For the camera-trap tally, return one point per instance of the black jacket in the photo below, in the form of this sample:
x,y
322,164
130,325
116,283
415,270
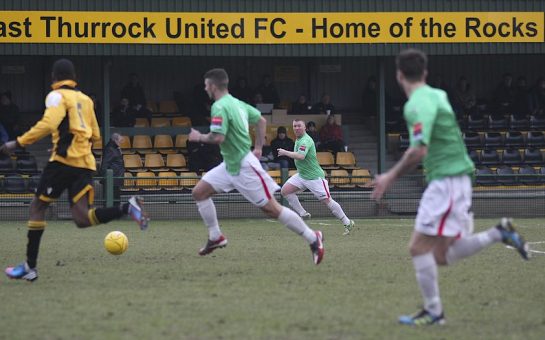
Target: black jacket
x,y
112,159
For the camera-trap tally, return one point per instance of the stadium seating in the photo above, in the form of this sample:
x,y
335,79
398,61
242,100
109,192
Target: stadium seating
x,y
506,175
163,144
276,176
181,141
537,123
168,181
6,164
33,182
361,177
152,106
154,162
133,163
472,140
533,156
514,139
176,162
125,145
326,160
97,148
142,144
15,184
404,141
516,123
27,165
168,107
340,178
146,180
129,184
493,139
497,122
181,121
346,160
529,175
484,176
159,122
511,156
475,156
535,139
188,179
141,123
475,122
490,157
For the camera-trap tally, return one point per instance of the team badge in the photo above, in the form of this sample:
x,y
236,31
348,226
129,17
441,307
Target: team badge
x,y
216,122
302,148
417,132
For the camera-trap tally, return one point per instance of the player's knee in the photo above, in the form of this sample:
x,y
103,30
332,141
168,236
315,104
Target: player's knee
x,y
283,192
81,222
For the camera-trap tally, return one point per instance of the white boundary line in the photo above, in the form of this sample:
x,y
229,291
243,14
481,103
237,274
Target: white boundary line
x,y
531,250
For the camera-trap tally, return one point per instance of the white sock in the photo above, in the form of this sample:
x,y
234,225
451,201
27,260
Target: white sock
x,y
207,209
338,211
426,276
295,204
296,224
471,245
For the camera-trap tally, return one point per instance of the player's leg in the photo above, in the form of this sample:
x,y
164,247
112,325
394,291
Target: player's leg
x,y
36,225
320,189
217,179
289,191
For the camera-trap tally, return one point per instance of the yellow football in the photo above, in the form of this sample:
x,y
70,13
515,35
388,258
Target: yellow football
x,y
116,242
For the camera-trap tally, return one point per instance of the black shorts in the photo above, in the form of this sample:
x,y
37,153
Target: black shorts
x,y
58,177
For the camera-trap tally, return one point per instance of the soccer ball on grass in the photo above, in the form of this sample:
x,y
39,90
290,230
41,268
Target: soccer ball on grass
x,y
116,242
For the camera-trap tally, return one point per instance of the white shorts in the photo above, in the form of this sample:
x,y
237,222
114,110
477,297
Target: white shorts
x,y
445,208
252,182
319,187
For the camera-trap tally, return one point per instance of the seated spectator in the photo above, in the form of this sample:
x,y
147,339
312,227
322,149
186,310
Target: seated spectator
x,y
268,91
324,106
503,96
257,99
369,98
134,92
463,98
537,98
521,100
331,136
9,112
202,157
282,142
301,106
199,106
112,158
313,133
242,91
123,114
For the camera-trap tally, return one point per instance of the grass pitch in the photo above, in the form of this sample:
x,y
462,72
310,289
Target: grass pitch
x,y
263,285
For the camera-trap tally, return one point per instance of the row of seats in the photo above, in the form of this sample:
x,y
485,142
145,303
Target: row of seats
x,y
22,165
510,156
170,180
500,122
505,175
143,144
508,139
166,107
160,122
19,183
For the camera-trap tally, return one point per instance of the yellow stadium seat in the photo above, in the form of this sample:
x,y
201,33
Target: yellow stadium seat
x,y
163,144
340,179
292,173
129,184
181,141
97,147
169,181
160,122
154,162
188,179
125,145
276,175
176,162
142,144
346,160
152,106
181,121
168,107
326,160
146,180
361,177
141,123
133,162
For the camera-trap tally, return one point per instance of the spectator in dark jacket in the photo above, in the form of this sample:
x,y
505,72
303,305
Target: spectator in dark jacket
x,y
9,112
242,91
331,136
202,156
282,142
313,133
112,158
268,91
324,106
301,106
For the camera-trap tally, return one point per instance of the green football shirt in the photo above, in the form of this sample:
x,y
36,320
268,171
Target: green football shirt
x,y
431,121
308,168
231,118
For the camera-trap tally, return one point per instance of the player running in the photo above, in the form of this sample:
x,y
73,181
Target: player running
x,y
310,175
70,119
240,168
444,224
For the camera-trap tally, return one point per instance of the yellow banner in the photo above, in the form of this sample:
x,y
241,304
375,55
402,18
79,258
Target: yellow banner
x,y
269,28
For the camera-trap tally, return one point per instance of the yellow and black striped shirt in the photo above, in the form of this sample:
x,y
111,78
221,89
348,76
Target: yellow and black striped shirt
x,y
70,119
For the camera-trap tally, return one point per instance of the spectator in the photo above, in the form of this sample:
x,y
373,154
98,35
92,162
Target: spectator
x,y
324,106
331,136
123,114
313,133
257,99
9,112
202,157
112,158
98,108
282,142
504,95
301,106
370,98
521,101
200,105
268,91
537,98
463,98
134,92
242,91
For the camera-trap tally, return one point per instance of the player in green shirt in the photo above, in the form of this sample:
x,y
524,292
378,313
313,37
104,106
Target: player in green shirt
x,y
310,175
444,224
240,169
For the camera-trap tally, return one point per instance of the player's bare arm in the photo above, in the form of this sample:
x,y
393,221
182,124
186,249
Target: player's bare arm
x,y
207,138
290,154
261,126
411,158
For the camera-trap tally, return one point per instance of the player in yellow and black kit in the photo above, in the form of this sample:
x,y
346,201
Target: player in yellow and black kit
x,y
70,120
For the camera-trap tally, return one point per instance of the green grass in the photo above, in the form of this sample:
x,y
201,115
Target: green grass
x,y
263,285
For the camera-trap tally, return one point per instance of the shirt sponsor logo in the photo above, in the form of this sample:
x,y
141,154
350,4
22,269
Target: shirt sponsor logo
x,y
216,122
417,131
302,148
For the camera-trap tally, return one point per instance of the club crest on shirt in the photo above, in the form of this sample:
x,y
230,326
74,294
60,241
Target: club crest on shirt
x,y
417,131
216,122
302,148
